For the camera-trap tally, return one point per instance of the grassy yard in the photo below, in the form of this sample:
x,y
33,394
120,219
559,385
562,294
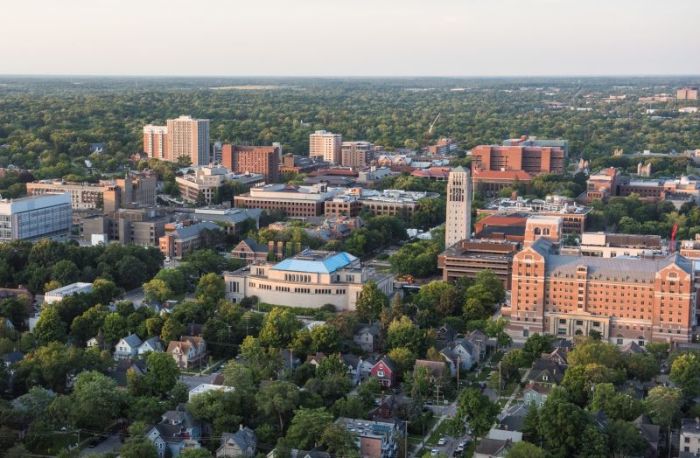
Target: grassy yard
x,y
439,432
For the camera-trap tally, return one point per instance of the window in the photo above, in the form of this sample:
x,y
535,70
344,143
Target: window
x,y
380,373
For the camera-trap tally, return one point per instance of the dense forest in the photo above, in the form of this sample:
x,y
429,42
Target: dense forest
x,y
47,125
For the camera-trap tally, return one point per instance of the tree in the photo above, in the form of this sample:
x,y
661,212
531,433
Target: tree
x,y
437,295
331,365
370,302
616,405
157,290
262,361
475,407
642,366
560,425
595,352
663,405
325,338
685,372
339,442
307,426
172,329
65,272
403,332
95,401
50,327
114,328
403,358
279,327
535,345
138,445
579,381
161,373
525,450
497,328
195,453
625,439
15,309
211,288
278,399
224,410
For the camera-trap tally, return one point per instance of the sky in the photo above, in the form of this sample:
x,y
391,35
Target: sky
x,y
350,37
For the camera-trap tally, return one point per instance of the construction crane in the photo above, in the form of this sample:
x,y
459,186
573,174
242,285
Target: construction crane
x,y
432,124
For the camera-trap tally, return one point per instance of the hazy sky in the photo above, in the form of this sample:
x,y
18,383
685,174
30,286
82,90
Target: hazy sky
x,y
350,37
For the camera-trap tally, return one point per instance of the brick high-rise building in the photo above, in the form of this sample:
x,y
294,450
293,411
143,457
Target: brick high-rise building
x,y
155,141
264,160
355,154
687,93
623,300
458,221
531,159
189,138
325,145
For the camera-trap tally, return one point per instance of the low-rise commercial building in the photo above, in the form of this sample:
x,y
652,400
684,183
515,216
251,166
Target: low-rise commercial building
x,y
183,238
308,279
143,226
35,217
572,214
392,202
374,439
205,182
623,301
294,201
442,147
491,182
605,245
469,257
58,294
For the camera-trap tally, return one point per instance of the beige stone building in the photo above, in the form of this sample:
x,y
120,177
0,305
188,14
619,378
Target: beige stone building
x,y
308,279
325,145
189,138
458,221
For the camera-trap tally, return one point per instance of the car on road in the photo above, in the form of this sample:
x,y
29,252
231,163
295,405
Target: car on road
x,y
442,441
434,452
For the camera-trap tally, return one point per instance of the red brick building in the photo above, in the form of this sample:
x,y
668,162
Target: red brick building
x,y
624,300
531,159
385,371
254,159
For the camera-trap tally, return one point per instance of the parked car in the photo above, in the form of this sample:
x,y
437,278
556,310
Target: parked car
x,y
442,441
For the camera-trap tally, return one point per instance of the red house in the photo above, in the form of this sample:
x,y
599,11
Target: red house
x,y
384,370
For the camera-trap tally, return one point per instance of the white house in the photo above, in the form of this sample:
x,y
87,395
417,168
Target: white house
x,y
56,295
127,347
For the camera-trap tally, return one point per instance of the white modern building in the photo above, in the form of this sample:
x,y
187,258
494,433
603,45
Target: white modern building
x,y
309,279
58,294
35,217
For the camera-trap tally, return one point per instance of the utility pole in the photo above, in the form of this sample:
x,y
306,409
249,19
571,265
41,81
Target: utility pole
x,y
405,439
458,368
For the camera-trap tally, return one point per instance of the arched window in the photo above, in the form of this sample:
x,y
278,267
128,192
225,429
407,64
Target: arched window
x,y
538,231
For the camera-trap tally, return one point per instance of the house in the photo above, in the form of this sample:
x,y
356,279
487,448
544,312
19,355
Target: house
x,y
94,342
153,344
242,443
437,370
207,387
176,432
127,347
188,351
461,353
289,360
385,371
315,359
492,448
536,394
690,436
119,373
368,337
354,364
546,371
631,347
558,355
249,251
650,433
12,358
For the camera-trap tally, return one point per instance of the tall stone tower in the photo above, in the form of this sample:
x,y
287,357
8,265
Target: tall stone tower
x,y
458,221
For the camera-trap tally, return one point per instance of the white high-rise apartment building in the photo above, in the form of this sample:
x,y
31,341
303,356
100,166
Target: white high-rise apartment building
x,y
325,145
155,139
458,221
188,137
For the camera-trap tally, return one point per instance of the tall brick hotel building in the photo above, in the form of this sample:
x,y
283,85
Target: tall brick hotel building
x,y
623,299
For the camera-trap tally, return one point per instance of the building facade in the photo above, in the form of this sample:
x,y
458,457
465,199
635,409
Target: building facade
x,y
264,160
206,180
687,93
645,300
356,154
467,258
326,146
308,279
35,217
183,238
531,159
155,141
458,220
188,137
294,201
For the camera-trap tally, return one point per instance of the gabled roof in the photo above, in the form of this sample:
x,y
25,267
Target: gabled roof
x,y
133,340
492,447
387,362
436,368
253,245
244,438
631,347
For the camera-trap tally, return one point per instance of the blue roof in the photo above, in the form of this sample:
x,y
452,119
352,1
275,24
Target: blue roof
x,y
316,262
